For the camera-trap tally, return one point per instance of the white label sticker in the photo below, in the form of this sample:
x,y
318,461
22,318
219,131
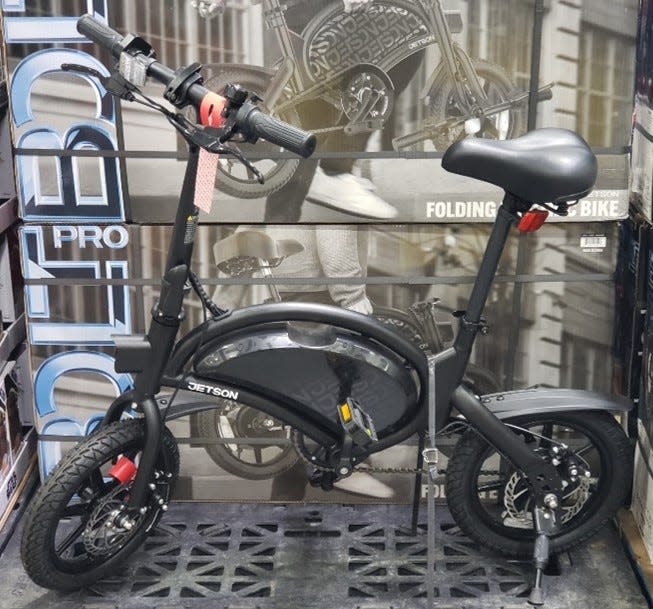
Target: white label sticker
x,y
207,169
593,243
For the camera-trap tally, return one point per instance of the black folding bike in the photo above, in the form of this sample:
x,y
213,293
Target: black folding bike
x,y
538,470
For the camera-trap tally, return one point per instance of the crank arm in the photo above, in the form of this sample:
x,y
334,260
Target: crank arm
x,y
366,107
425,133
429,130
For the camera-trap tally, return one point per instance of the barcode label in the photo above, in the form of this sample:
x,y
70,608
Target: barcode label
x,y
593,242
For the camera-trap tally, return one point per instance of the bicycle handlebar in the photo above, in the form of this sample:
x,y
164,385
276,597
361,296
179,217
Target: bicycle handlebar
x,y
100,34
251,122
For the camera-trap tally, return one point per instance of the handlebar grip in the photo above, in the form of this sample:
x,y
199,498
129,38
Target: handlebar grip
x,y
101,34
277,132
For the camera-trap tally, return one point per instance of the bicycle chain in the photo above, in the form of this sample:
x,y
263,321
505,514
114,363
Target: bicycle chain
x,y
369,469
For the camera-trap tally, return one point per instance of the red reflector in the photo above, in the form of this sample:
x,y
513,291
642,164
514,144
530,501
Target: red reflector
x,y
123,470
532,220
211,110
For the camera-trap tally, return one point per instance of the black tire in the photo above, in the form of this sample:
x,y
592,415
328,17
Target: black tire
x,y
207,423
498,87
481,380
278,172
402,323
473,515
72,476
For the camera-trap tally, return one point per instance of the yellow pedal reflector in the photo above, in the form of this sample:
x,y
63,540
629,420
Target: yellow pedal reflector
x,y
345,412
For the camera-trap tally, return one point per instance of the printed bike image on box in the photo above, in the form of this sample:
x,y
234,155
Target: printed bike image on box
x,y
348,63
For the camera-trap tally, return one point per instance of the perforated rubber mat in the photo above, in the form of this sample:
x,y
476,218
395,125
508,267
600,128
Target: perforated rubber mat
x,y
325,556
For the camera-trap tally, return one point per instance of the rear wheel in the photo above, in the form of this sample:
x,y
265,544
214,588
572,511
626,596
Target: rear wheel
x,y
492,503
76,528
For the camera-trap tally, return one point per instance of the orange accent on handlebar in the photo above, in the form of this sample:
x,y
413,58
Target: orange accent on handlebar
x,y
532,220
211,109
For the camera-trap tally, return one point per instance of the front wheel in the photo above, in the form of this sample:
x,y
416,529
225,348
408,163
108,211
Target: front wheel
x,y
76,528
492,503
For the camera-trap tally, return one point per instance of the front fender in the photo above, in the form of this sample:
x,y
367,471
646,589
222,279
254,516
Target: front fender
x,y
541,401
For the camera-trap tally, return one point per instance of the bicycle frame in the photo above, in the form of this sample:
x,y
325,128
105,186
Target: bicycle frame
x,y
165,365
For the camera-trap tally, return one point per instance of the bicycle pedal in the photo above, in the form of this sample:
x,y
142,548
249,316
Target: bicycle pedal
x,y
357,423
315,479
322,479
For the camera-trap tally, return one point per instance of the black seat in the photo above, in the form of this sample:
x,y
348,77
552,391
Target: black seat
x,y
543,166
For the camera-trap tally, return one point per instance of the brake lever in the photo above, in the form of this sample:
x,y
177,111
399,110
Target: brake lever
x,y
114,84
213,140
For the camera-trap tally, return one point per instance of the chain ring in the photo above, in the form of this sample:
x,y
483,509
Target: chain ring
x,y
297,439
372,83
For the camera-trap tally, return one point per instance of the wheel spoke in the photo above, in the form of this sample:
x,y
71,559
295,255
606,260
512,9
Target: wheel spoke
x,y
584,449
490,486
258,455
70,538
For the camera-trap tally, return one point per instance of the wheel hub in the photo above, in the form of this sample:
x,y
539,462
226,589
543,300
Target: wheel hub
x,y
518,499
252,423
109,526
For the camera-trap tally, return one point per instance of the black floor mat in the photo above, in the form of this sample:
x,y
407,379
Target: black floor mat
x,y
326,556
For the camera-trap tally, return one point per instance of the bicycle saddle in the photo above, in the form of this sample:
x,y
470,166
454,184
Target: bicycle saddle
x,y
248,251
543,166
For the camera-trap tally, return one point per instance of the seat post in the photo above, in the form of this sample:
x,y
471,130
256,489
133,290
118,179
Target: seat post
x,y
506,218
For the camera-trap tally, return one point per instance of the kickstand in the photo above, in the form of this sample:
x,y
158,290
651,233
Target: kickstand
x,y
544,520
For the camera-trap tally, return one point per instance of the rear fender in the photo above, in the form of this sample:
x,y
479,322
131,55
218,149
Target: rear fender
x,y
511,404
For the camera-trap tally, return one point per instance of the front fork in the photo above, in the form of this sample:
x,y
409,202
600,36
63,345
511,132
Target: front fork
x,y
166,318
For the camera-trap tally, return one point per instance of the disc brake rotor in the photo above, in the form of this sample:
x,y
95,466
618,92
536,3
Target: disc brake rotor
x,y
107,529
517,500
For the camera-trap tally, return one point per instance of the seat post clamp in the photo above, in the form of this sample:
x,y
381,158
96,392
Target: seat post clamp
x,y
471,326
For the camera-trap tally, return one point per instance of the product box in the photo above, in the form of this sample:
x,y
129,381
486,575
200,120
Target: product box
x,y
560,280
632,276
11,283
94,245
21,376
642,499
12,434
22,466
